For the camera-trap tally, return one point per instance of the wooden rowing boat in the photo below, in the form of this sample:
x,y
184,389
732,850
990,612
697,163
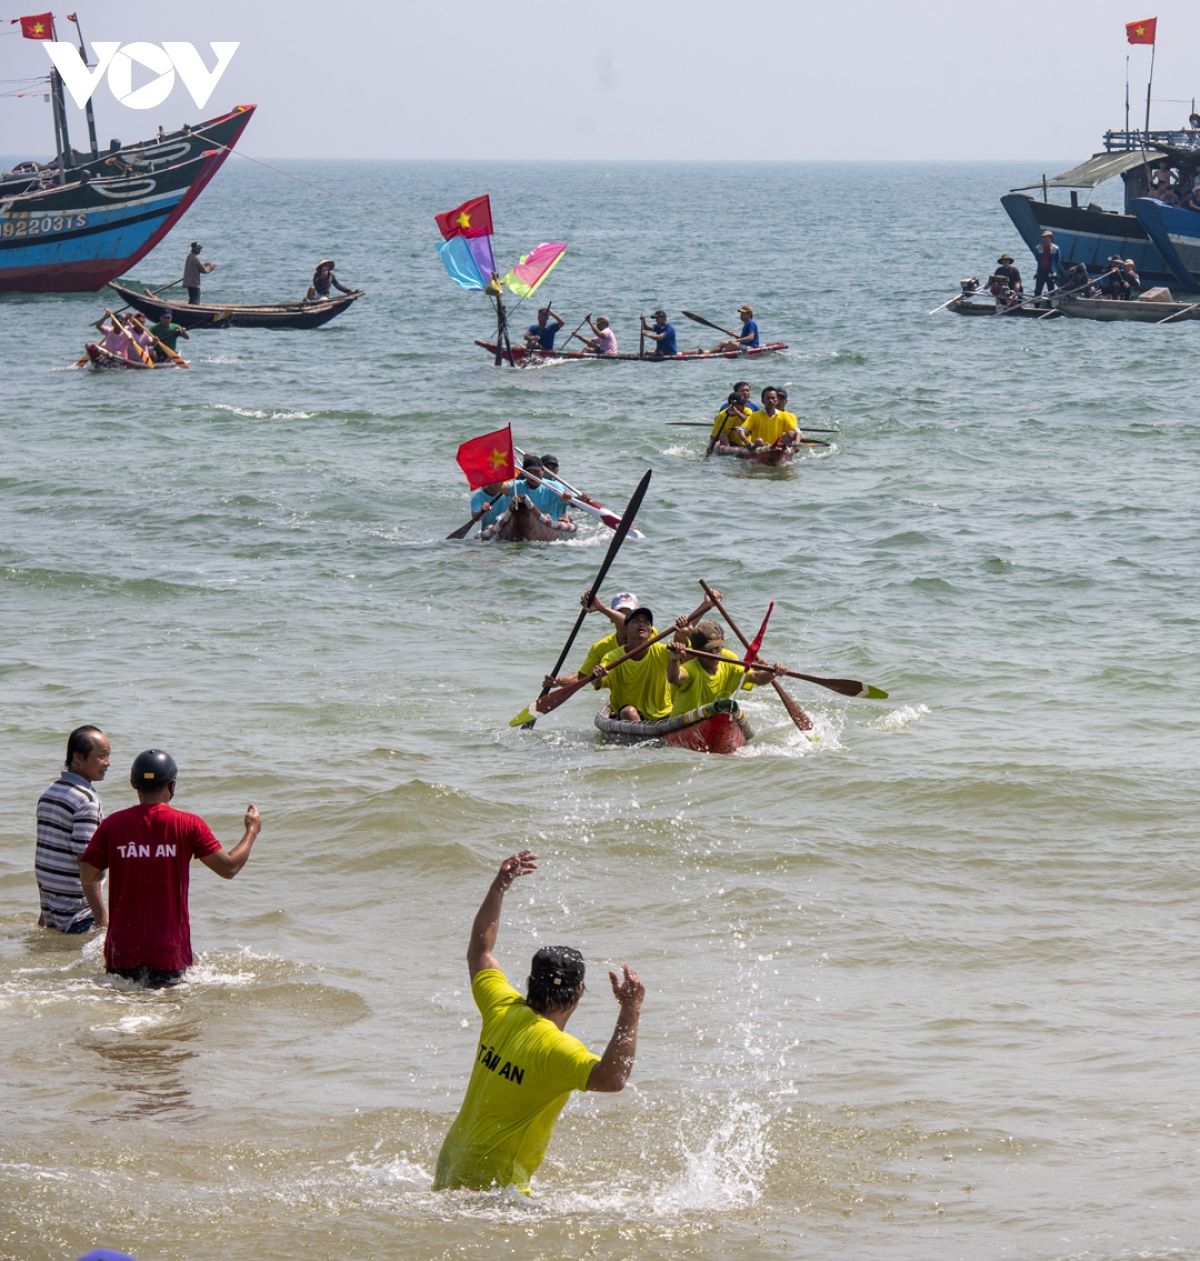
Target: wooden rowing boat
x,y
521,522
98,357
225,315
1109,309
718,727
981,303
521,353
774,456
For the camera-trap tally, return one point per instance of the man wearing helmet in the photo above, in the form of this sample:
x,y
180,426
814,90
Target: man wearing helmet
x,y
147,850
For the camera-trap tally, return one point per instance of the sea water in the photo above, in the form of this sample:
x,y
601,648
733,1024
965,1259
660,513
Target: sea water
x,y
920,984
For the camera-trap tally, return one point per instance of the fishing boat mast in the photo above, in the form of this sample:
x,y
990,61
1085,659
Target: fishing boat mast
x,y
91,118
61,137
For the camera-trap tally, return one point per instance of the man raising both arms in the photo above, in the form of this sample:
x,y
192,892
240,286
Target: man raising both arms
x,y
526,1065
147,850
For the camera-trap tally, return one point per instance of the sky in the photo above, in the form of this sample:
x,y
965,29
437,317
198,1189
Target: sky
x,y
786,80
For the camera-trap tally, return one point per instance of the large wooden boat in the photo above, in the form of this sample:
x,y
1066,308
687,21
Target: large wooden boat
x,y
520,354
71,225
521,522
227,315
718,727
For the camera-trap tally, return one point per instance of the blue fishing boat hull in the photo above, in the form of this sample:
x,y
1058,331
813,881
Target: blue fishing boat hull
x,y
77,236
1176,235
1090,237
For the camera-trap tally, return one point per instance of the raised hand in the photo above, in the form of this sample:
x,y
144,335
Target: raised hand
x,y
627,990
522,863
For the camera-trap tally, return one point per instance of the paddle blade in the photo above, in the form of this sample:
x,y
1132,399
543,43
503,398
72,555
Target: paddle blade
x,y
798,716
462,531
873,693
846,687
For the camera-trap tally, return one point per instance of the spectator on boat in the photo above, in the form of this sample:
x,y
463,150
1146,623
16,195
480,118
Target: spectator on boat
x,y
68,812
193,268
525,1064
699,681
769,425
1077,278
1007,274
639,689
322,279
1192,201
147,851
661,334
748,340
1169,197
1132,279
1113,284
605,341
543,333
498,494
1161,180
167,333
1049,265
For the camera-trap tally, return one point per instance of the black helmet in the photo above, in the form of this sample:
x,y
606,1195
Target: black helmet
x,y
155,768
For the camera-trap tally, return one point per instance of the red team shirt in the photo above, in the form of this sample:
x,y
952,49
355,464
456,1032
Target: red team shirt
x,y
147,851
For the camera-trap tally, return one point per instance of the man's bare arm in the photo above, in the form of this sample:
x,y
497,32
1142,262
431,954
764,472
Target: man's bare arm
x,y
487,918
227,863
90,878
611,1074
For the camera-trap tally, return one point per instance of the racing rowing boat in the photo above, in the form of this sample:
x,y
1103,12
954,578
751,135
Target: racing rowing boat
x,y
521,353
718,727
521,522
98,357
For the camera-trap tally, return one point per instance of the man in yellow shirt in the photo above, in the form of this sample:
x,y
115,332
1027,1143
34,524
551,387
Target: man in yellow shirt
x,y
699,681
638,688
623,603
769,425
526,1065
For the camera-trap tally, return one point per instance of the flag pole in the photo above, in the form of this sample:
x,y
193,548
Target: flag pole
x,y
1126,96
1153,50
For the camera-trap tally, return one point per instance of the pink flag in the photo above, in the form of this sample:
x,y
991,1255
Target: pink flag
x,y
533,269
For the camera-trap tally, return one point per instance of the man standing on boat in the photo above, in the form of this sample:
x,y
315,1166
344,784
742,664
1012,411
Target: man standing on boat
x,y
661,334
542,334
526,1064
193,269
1049,266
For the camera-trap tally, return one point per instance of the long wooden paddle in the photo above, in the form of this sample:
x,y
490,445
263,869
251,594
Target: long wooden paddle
x,y
177,359
962,293
701,320
575,331
550,700
461,532
847,687
525,718
597,510
1177,314
798,716
712,442
153,293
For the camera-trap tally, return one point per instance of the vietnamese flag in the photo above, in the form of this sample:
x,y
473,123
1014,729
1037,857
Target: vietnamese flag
x,y
472,218
1141,32
40,26
488,458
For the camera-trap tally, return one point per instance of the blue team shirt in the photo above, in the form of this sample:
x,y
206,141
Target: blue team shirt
x,y
546,335
481,497
542,498
667,346
750,328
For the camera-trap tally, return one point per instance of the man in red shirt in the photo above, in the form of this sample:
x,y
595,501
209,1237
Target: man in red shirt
x,y
147,850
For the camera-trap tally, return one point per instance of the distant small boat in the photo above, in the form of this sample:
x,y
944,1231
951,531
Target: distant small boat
x,y
718,727
520,354
521,522
228,315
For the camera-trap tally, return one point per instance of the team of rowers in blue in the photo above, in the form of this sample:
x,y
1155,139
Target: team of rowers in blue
x,y
661,334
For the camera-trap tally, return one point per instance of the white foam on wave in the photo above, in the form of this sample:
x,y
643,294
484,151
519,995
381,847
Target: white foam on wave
x,y
138,1023
261,415
897,719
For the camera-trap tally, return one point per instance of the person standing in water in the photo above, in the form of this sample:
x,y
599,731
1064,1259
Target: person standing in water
x,y
526,1065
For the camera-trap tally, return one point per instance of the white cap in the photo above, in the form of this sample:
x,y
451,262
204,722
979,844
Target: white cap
x,y
624,600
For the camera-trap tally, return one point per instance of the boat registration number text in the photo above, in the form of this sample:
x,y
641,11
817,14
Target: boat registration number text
x,y
43,226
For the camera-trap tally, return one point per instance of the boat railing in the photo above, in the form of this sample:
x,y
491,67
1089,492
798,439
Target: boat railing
x,y
1129,141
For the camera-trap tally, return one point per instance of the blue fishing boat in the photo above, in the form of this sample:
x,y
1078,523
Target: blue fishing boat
x,y
73,224
1091,234
1176,235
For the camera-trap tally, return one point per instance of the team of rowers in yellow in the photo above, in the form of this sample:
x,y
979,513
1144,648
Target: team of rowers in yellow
x,y
739,425
661,679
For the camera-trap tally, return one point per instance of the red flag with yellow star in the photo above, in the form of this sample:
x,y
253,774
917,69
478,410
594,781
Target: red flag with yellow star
x,y
488,458
472,218
1141,32
37,27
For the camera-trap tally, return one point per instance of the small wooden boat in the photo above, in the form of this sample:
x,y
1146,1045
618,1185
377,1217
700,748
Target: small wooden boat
x,y
1108,310
718,727
978,302
521,353
773,455
521,522
98,357
225,315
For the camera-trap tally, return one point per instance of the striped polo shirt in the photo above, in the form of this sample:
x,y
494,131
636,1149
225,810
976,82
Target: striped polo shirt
x,y
68,812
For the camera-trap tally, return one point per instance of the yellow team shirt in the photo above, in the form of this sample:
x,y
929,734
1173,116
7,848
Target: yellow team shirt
x,y
771,428
601,649
728,436
525,1068
642,684
699,687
